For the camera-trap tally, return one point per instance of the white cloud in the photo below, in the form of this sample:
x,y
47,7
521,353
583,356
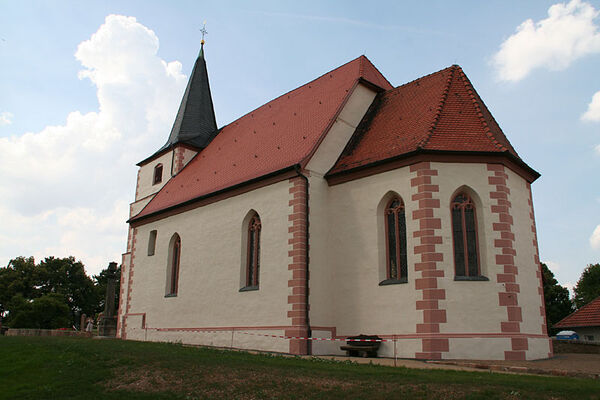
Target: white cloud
x,y
595,238
597,148
593,111
553,266
570,286
66,188
6,118
569,33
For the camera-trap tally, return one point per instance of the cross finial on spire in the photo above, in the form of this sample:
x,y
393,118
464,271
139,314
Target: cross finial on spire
x,y
204,32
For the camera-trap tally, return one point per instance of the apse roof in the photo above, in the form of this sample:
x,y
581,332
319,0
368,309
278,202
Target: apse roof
x,y
441,111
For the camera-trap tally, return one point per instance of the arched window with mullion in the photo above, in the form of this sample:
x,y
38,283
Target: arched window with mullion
x,y
464,234
253,258
395,229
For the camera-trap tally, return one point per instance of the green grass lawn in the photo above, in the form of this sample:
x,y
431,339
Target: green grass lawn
x,y
83,368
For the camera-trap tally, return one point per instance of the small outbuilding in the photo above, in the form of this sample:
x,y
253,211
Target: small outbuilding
x,y
585,321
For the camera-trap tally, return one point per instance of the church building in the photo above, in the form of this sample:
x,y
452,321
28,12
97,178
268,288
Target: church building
x,y
346,206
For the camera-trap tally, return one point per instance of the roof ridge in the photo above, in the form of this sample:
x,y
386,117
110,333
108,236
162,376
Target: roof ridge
x,y
362,70
418,79
471,92
440,107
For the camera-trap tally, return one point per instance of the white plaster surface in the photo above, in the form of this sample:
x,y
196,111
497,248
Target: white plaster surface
x,y
146,176
208,291
345,124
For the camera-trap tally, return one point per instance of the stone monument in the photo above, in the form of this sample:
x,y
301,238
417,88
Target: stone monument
x,y
108,321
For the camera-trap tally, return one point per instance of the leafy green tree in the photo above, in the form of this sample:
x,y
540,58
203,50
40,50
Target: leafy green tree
x,y
23,282
46,312
67,277
556,298
588,285
18,277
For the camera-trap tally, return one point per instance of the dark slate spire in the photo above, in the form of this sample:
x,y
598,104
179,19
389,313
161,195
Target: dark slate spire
x,y
195,123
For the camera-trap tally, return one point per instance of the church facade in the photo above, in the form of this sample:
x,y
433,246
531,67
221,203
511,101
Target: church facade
x,y
346,206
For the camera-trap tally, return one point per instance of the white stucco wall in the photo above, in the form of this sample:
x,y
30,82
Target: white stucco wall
x,y
208,291
146,175
341,131
347,262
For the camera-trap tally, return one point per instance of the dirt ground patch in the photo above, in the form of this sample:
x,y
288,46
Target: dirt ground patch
x,y
217,381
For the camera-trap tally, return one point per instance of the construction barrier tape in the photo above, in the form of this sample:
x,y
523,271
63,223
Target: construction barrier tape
x,y
291,337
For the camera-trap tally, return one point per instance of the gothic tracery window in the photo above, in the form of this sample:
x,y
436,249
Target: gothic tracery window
x,y
464,233
395,229
253,257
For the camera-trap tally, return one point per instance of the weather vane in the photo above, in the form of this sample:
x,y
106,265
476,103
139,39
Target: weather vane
x,y
203,31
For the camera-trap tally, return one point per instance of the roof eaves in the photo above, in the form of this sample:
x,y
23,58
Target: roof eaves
x,y
420,151
167,148
137,218
372,85
159,153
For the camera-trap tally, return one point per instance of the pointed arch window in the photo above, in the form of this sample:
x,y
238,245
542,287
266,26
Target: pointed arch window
x,y
464,234
253,254
158,170
173,265
395,234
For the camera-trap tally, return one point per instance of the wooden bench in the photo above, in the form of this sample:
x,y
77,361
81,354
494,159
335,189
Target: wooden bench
x,y
362,345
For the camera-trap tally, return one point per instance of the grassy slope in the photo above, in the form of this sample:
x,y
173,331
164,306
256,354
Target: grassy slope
x,y
65,368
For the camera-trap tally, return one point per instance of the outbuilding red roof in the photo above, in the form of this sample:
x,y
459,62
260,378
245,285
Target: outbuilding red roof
x,y
441,111
588,315
280,134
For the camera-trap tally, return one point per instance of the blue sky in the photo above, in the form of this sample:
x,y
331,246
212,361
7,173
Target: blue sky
x,y
69,140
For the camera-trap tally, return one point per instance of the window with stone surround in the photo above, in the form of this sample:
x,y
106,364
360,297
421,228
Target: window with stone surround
x,y
173,263
464,235
395,241
253,254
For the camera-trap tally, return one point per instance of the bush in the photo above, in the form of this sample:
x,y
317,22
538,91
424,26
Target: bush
x,y
46,312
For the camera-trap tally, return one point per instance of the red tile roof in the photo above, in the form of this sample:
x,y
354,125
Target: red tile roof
x,y
280,134
440,111
588,315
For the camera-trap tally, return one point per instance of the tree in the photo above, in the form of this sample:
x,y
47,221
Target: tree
x,y
588,285
46,312
27,287
19,277
556,298
67,277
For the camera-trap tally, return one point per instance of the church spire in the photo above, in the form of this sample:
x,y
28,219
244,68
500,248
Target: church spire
x,y
195,123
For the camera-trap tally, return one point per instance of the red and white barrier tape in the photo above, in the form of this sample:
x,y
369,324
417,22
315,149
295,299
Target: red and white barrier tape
x,y
316,338
286,337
